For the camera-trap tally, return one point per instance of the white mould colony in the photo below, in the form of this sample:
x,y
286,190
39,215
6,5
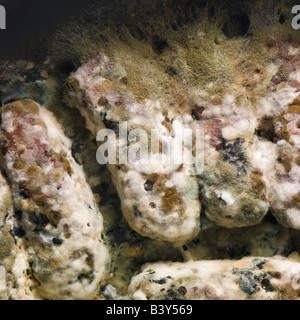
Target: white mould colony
x,y
53,241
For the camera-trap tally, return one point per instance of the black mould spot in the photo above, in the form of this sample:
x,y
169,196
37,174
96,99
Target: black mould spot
x,y
152,205
266,285
196,112
160,281
137,212
159,44
112,125
237,25
57,241
172,294
195,115
260,265
171,71
124,80
38,219
282,18
182,290
148,185
19,232
89,276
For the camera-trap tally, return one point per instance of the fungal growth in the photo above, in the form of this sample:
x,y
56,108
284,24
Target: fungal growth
x,y
60,219
158,200
249,278
151,150
246,146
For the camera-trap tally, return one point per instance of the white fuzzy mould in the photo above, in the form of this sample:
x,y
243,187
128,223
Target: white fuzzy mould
x,y
295,76
294,51
272,68
295,139
284,190
280,188
281,142
238,129
293,216
226,196
55,133
19,269
154,222
276,102
263,156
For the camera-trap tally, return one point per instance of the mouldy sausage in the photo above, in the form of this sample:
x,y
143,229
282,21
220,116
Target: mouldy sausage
x,y
159,199
62,223
255,278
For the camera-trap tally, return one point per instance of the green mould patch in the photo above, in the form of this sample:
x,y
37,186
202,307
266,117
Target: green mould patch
x,y
6,243
193,43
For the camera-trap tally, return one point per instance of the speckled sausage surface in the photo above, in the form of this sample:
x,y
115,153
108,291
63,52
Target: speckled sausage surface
x,y
59,216
160,200
249,278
